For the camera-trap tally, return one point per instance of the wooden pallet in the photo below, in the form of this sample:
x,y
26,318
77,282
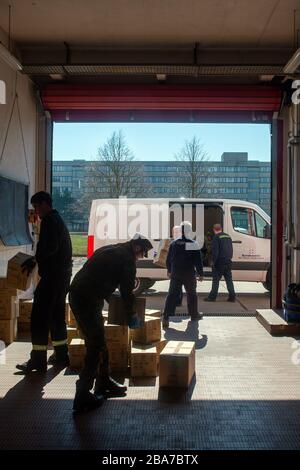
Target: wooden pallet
x,y
275,324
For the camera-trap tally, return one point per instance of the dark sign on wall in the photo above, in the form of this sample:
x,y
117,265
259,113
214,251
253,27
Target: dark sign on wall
x,y
14,228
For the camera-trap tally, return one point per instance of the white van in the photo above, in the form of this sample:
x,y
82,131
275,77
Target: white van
x,y
116,220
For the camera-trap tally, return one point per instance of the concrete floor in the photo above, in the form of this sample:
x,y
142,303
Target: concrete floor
x,y
246,395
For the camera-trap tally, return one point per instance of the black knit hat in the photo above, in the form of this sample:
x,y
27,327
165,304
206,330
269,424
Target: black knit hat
x,y
143,242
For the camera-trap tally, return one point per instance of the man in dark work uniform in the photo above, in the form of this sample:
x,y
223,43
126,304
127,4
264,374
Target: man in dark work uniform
x,y
110,267
54,259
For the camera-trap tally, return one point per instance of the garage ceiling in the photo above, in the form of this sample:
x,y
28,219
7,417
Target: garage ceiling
x,y
136,40
259,23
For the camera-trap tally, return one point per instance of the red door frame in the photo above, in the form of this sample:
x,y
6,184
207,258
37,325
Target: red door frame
x,y
165,103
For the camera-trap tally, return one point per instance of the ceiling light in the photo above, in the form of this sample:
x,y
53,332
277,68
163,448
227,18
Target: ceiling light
x,y
56,76
161,77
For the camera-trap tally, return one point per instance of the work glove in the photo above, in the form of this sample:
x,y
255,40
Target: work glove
x,y
134,321
28,266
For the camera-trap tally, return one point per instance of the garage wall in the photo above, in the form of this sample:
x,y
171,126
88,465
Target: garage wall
x,y
18,156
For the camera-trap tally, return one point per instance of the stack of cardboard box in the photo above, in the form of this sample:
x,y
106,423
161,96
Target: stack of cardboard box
x,y
117,344
8,313
17,277
143,349
25,307
11,287
146,344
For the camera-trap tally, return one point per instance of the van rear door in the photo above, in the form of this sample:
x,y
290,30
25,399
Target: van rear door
x,y
213,213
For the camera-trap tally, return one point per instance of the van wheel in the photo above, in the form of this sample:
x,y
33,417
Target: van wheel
x,y
142,284
267,283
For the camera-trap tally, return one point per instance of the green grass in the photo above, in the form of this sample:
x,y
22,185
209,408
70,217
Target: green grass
x,y
79,244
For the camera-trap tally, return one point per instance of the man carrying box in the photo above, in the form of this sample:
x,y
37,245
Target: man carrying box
x,y
54,259
110,267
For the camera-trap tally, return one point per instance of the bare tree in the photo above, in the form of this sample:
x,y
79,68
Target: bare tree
x,y
116,173
196,172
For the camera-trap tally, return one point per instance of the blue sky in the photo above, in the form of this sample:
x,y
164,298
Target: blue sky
x,y
161,141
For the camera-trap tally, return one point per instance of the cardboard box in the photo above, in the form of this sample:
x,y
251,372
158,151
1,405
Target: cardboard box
x,y
8,330
152,313
105,314
116,315
25,307
77,353
118,357
160,345
148,333
71,333
70,318
116,334
160,257
8,307
15,276
10,292
143,362
77,347
3,282
177,364
24,327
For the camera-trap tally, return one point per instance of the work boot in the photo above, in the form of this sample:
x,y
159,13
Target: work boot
x,y
209,299
37,362
198,316
165,323
60,357
85,401
109,387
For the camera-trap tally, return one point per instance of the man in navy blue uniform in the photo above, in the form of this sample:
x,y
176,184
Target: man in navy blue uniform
x,y
222,253
184,265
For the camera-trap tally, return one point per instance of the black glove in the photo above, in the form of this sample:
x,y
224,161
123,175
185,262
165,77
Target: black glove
x,y
134,322
28,265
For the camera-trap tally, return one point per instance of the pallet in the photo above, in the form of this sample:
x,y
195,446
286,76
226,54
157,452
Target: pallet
x,y
275,324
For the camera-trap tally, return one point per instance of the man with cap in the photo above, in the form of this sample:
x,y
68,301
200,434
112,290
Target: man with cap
x,y
110,267
222,252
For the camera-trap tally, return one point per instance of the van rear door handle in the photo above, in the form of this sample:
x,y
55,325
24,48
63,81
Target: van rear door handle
x,y
236,241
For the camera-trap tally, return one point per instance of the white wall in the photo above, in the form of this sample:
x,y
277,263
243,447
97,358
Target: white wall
x,y
13,162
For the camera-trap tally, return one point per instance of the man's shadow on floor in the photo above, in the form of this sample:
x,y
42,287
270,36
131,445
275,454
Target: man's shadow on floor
x,y
191,333
29,390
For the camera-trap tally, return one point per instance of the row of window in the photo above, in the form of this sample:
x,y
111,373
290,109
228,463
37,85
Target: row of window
x,y
176,168
226,190
227,180
265,190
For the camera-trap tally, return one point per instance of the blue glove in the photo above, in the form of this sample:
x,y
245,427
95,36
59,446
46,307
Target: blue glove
x,y
134,322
